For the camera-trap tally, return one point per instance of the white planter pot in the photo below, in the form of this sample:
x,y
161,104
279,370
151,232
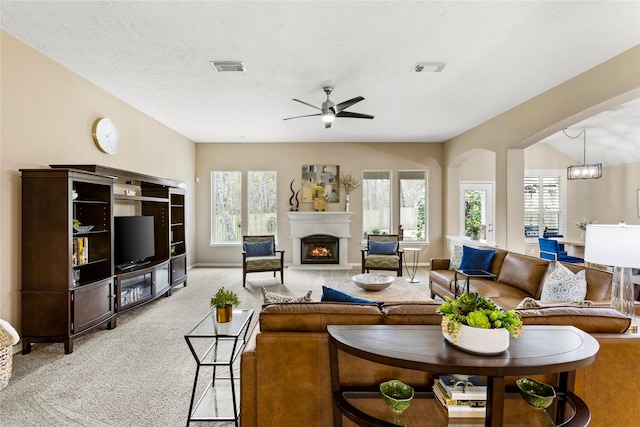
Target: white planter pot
x,y
480,341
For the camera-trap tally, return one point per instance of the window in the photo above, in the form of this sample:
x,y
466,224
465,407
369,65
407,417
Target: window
x,y
262,210
376,202
226,209
543,204
412,194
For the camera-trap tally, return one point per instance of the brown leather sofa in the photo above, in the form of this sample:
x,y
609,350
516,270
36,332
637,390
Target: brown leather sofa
x,y
285,365
517,277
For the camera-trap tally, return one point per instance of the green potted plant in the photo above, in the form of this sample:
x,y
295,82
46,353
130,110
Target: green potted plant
x,y
224,300
472,318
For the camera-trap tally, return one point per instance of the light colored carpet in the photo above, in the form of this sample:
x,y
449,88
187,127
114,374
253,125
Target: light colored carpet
x,y
140,373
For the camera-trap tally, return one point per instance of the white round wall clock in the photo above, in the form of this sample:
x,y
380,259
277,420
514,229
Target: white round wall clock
x,y
106,135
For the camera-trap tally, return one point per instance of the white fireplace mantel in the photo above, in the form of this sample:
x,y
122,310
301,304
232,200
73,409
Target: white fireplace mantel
x,y
333,223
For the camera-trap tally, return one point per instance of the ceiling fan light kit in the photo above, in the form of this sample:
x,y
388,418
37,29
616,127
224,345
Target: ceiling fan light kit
x,y
329,110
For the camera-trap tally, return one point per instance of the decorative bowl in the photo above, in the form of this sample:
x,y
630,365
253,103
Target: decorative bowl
x,y
396,394
83,228
536,394
373,281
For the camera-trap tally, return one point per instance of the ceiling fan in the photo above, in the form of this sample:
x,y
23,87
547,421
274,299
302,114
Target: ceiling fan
x,y
329,110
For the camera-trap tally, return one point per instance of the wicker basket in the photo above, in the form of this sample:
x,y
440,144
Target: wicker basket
x,y
6,357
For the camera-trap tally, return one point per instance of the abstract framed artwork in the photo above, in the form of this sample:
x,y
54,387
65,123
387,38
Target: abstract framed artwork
x,y
320,181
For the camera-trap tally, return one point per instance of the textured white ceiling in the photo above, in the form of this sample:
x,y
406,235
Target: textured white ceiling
x,y
155,56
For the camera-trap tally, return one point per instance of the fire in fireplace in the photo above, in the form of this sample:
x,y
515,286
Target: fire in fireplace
x,y
320,249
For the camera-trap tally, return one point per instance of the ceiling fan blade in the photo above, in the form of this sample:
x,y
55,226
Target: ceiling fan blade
x,y
297,117
327,125
306,103
354,115
347,104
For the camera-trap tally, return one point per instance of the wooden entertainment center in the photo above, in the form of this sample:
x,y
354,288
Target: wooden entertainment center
x,y
70,284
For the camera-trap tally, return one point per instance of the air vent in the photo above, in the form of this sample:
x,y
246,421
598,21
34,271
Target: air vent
x,y
429,67
236,66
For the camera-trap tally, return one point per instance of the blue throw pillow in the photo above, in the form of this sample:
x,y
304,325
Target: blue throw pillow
x,y
258,248
330,294
382,248
476,259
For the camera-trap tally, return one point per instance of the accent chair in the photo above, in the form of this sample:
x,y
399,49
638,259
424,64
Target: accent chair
x,y
382,253
259,254
550,249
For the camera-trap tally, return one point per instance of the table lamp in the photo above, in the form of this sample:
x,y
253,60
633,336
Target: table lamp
x,y
617,246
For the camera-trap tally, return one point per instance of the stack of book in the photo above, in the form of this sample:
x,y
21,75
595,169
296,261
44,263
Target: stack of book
x,y
80,251
461,401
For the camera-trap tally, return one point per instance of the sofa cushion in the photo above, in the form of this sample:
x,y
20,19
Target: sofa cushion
x,y
272,297
523,272
476,259
315,316
598,282
589,319
330,294
411,313
382,248
258,248
564,285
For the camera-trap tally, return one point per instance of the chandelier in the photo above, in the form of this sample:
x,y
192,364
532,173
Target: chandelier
x,y
583,171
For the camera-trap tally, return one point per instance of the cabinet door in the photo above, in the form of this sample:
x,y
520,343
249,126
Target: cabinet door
x,y
161,279
92,304
178,269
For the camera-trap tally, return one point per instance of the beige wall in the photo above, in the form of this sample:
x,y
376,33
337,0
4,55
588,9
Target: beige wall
x,y
611,83
47,115
288,159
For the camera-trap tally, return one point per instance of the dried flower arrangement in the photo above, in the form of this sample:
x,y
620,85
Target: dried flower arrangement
x,y
348,183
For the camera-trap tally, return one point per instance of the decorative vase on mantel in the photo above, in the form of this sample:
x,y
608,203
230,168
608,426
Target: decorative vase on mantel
x,y
346,203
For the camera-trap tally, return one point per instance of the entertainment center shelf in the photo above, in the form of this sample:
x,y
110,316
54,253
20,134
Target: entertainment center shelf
x,y
70,281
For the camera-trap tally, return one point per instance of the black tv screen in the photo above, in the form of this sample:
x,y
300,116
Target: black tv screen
x,y
133,240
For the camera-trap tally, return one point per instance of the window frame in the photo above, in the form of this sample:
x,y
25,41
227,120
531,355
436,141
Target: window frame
x,y
212,237
398,207
389,208
249,195
541,174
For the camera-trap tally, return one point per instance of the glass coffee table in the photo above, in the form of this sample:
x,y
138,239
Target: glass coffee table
x,y
217,345
468,274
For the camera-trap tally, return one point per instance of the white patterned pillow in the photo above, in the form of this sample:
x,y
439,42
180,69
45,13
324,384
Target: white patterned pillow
x,y
272,297
563,285
456,258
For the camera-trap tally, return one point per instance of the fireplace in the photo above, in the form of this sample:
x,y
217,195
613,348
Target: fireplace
x,y
320,249
334,224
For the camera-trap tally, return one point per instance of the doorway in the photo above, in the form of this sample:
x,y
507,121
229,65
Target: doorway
x,y
477,210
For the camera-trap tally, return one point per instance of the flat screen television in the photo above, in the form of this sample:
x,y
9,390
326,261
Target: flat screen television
x,y
134,241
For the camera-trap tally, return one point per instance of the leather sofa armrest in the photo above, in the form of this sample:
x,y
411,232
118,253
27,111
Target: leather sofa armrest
x,y
248,388
439,263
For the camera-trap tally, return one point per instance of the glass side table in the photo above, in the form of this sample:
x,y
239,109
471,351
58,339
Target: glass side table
x,y
468,273
414,264
217,345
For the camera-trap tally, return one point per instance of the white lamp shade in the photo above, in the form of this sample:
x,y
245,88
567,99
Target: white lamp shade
x,y
614,245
